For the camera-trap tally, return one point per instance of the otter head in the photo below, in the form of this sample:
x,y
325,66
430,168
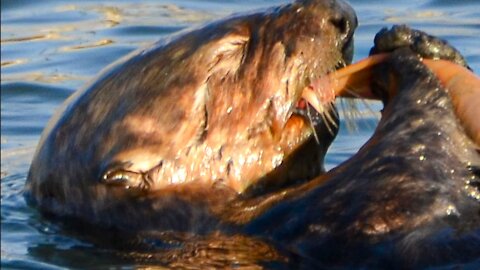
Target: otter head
x,y
220,104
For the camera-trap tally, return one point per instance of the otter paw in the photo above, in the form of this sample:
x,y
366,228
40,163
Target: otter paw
x,y
423,44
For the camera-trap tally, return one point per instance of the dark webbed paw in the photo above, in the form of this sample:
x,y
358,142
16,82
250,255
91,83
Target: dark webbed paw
x,y
402,40
425,45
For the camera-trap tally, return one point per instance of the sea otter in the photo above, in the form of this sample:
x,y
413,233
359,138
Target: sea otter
x,y
165,138
159,143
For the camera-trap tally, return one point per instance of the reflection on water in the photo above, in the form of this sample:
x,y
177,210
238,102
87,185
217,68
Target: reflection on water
x,y
50,48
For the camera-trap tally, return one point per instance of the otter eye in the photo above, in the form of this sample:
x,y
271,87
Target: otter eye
x,y
127,179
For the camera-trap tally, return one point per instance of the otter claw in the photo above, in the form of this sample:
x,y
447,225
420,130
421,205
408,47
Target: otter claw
x,y
425,45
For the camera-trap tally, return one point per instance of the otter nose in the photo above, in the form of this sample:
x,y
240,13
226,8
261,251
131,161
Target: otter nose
x,y
343,17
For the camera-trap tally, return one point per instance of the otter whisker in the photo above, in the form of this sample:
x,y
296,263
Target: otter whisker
x,y
327,119
365,103
331,119
309,116
351,113
348,108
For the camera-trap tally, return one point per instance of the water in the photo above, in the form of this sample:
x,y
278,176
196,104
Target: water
x,y
50,48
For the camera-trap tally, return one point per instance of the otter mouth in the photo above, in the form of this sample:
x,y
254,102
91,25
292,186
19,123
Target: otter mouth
x,y
315,109
322,91
315,104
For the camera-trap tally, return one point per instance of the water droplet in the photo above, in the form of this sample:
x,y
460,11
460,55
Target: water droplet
x,y
475,195
451,210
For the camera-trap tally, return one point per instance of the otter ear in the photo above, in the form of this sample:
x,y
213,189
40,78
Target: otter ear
x,y
232,43
229,53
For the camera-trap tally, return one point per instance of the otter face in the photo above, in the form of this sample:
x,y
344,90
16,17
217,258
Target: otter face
x,y
218,104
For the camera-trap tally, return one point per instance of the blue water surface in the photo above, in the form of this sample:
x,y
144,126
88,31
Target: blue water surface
x,y
50,48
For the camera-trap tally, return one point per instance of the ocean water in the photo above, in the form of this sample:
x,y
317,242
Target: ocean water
x,y
50,48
